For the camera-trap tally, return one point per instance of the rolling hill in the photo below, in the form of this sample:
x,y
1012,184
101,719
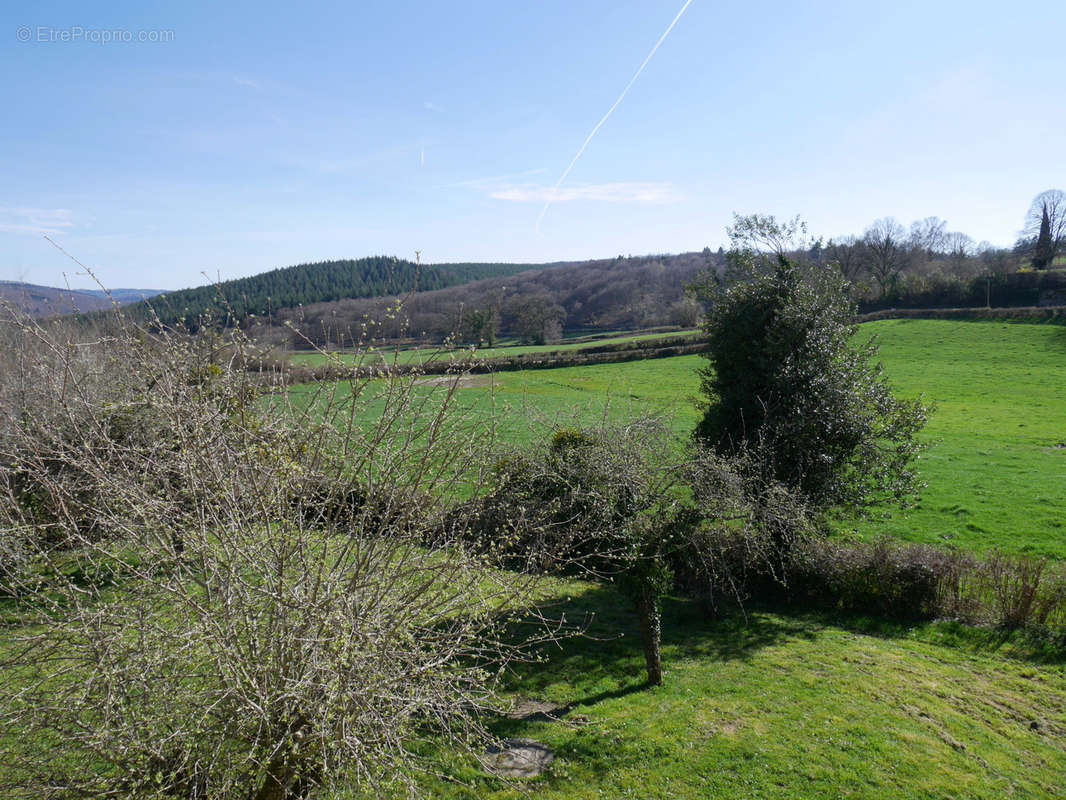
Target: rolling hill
x,y
321,282
46,301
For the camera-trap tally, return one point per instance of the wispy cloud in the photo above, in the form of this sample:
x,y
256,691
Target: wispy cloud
x,y
662,193
493,181
35,221
248,82
431,106
339,165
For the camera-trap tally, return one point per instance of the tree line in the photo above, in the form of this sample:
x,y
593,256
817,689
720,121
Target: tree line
x,y
927,264
623,293
235,301
923,265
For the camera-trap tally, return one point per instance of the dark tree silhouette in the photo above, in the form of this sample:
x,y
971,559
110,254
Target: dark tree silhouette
x,y
1045,227
886,247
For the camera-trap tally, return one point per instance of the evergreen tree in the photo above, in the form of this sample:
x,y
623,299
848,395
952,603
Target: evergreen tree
x,y
786,386
1044,251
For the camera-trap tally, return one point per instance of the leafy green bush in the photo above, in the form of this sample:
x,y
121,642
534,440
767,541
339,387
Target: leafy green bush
x,y
786,386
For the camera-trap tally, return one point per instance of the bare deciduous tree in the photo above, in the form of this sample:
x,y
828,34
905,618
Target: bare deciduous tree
x,y
886,248
959,248
929,235
847,253
538,318
764,233
1045,227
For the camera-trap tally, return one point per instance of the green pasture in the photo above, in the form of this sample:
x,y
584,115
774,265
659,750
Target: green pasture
x,y
996,467
996,463
760,704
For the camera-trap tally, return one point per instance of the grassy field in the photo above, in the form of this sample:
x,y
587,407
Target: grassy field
x,y
769,705
996,466
784,707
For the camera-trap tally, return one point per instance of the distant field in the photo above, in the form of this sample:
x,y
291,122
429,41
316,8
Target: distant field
x,y
995,468
422,355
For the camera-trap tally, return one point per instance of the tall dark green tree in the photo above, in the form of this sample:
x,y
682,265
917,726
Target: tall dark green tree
x,y
1044,252
788,385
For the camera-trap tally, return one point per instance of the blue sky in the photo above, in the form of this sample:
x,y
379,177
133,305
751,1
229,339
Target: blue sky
x,y
259,135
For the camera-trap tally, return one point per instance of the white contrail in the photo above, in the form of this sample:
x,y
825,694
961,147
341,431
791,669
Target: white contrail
x,y
610,111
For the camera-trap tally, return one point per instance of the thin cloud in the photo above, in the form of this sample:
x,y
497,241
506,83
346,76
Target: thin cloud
x,y
494,180
648,194
431,106
35,221
553,196
251,84
332,166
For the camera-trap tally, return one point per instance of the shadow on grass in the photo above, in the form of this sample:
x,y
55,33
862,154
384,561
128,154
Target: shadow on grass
x,y
1058,338
607,661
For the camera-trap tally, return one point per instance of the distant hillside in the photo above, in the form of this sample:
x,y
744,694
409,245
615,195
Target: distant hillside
x,y
304,284
47,301
623,293
124,296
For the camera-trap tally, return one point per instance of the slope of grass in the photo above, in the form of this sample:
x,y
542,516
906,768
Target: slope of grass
x,y
775,706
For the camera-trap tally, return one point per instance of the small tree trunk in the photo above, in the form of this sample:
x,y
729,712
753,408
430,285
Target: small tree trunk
x,y
281,772
651,633
279,778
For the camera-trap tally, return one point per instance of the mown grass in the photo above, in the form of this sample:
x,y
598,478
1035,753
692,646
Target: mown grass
x,y
773,706
995,467
765,704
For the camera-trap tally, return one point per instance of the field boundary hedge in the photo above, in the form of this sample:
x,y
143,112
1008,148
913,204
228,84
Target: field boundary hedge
x,y
666,347
1053,314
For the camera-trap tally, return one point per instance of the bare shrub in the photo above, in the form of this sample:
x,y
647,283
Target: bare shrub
x,y
750,525
1014,591
892,579
632,504
884,578
605,502
225,589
